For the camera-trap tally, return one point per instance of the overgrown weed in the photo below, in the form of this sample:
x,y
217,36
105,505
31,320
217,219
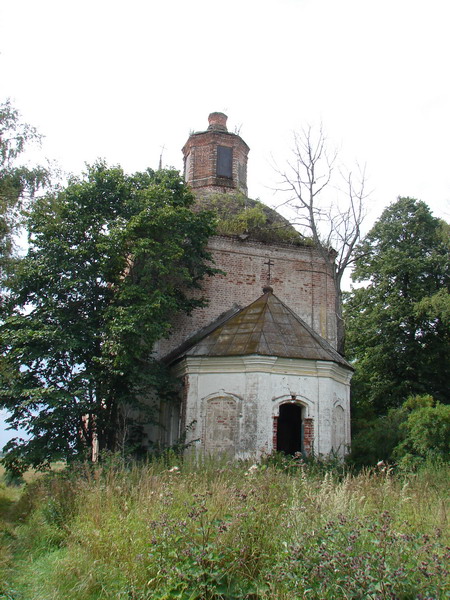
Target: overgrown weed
x,y
220,530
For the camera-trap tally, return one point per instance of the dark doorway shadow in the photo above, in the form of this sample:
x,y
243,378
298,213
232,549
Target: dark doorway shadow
x,y
290,429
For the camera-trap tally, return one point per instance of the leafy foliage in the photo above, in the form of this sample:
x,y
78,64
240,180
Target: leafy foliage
x,y
385,438
426,435
377,438
16,181
397,323
239,215
111,259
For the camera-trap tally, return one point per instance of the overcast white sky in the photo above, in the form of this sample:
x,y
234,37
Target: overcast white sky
x,y
119,80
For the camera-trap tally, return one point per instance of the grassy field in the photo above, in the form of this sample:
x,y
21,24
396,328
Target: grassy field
x,y
226,531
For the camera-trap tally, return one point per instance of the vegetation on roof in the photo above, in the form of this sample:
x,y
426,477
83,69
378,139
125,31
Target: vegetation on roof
x,y
239,215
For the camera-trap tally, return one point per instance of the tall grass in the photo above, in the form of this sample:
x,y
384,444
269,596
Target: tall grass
x,y
230,531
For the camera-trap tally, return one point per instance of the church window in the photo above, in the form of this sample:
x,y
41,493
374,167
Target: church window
x,y
224,161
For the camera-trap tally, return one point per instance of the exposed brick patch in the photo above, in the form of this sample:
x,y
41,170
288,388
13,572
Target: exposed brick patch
x,y
221,425
308,436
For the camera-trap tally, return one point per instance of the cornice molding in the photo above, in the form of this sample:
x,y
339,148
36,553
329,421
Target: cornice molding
x,y
198,365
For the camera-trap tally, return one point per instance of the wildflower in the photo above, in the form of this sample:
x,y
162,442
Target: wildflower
x,y
252,469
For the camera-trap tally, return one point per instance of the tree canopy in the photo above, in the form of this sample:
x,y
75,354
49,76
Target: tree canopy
x,y
16,181
397,322
112,257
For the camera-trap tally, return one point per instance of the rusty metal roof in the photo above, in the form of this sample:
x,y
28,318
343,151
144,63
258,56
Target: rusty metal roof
x,y
266,327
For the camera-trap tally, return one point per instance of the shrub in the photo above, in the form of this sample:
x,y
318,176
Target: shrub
x,y
426,435
377,439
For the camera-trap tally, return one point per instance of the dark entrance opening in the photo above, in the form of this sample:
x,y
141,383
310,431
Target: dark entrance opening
x,y
290,429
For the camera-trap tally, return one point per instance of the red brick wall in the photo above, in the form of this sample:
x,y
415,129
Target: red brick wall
x,y
298,277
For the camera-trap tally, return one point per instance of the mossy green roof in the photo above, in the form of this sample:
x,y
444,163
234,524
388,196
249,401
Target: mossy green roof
x,y
239,215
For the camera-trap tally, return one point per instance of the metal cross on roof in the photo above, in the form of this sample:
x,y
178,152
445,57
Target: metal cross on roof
x,y
269,263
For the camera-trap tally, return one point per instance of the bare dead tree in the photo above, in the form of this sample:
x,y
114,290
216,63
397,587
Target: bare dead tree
x,y
327,204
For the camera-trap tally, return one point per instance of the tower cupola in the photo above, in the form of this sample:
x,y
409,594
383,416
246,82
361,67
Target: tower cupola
x,y
215,160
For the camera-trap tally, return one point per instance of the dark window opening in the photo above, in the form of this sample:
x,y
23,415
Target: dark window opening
x,y
290,429
224,161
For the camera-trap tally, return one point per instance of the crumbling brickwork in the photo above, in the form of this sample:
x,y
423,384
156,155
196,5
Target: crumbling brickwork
x,y
201,158
308,436
298,277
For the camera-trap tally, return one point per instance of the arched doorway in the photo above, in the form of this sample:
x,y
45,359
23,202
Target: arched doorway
x,y
290,429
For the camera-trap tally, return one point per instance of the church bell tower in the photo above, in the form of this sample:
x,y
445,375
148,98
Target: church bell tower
x,y
215,160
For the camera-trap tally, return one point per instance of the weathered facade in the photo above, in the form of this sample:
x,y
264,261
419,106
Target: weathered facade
x,y
259,373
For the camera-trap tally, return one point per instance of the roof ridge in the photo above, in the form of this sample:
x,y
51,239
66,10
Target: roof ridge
x,y
250,331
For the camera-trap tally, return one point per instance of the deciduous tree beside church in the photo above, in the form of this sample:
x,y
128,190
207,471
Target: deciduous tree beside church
x,y
398,321
111,259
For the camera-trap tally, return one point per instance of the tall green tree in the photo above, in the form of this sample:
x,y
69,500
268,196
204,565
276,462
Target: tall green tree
x,y
17,182
111,259
397,322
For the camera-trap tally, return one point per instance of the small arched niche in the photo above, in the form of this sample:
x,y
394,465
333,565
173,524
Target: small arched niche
x,y
338,431
221,424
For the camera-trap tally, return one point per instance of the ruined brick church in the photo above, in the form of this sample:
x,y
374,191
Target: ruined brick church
x,y
258,366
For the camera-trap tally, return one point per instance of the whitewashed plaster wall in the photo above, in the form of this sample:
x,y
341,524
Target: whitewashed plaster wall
x,y
247,392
